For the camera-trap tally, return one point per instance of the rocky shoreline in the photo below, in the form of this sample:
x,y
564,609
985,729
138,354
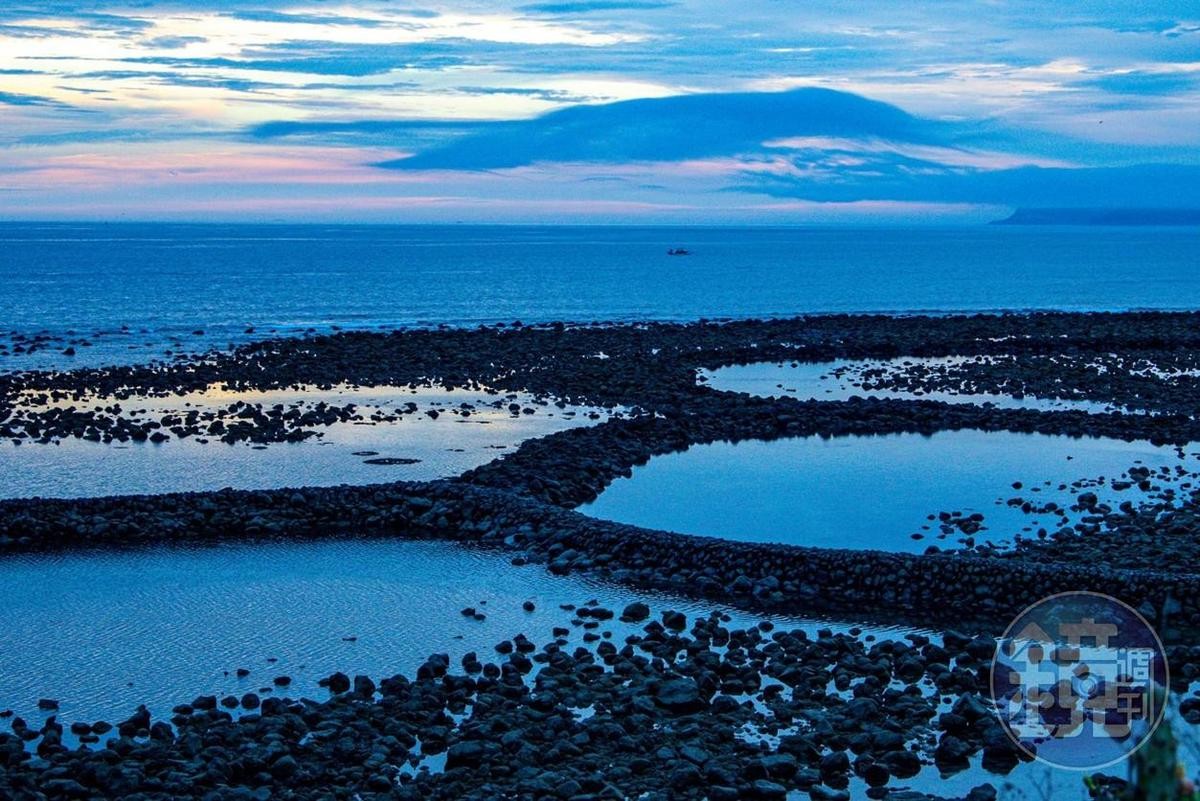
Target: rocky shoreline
x,y
524,503
685,709
1130,379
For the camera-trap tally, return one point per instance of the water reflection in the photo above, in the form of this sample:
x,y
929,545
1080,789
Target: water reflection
x,y
842,380
469,428
877,492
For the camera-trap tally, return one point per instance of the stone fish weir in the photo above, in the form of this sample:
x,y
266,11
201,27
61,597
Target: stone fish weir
x,y
525,741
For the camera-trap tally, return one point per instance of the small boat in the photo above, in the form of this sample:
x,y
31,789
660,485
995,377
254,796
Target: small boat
x,y
678,252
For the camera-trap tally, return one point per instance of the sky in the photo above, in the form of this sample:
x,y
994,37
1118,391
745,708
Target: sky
x,y
595,111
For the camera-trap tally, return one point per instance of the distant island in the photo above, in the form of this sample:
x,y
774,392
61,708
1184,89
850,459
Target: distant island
x,y
1102,217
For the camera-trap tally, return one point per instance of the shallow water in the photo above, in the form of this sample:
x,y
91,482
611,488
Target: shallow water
x,y
85,281
840,380
444,447
103,631
870,492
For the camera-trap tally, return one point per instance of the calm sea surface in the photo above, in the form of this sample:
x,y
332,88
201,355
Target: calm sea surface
x,y
166,281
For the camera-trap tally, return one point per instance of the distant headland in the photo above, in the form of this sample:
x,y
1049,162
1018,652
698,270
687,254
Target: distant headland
x,y
1102,217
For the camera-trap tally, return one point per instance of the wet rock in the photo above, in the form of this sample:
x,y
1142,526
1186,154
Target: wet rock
x,y
337,683
679,696
674,620
635,612
363,686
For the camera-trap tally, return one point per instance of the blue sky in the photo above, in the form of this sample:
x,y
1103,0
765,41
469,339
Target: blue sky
x,y
650,111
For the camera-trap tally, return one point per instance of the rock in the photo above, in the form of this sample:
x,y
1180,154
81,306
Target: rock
x,y
468,754
680,696
285,767
66,788
779,766
762,788
835,763
684,776
951,751
876,775
140,720
676,621
820,792
337,683
635,612
903,763
363,686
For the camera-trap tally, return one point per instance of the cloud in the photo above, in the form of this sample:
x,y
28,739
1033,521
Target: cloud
x,y
282,128
1135,186
16,99
673,129
586,6
174,78
316,57
175,42
301,18
335,64
709,113
1146,84
124,135
1182,29
402,135
35,31
115,23
553,95
807,144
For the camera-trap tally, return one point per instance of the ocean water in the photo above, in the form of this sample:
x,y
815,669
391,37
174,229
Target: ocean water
x,y
164,282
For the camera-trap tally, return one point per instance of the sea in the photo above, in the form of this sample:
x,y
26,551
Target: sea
x,y
133,292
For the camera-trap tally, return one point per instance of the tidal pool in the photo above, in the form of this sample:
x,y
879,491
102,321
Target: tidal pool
x,y
842,380
102,631
427,447
877,492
